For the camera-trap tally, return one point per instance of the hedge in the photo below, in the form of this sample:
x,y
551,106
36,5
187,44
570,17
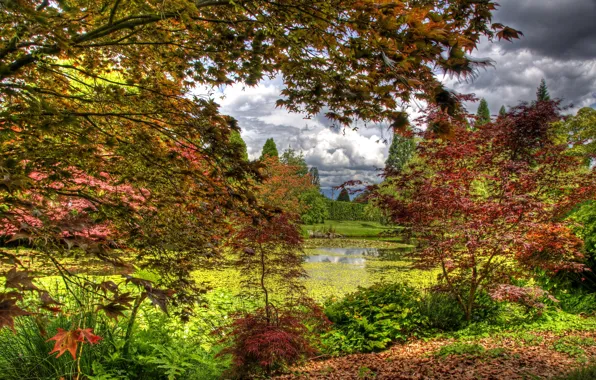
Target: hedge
x,y
348,211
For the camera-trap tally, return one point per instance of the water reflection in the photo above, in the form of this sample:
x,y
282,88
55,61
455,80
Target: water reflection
x,y
356,256
335,259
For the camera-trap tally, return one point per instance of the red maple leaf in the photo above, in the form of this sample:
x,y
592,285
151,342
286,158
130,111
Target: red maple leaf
x,y
88,334
69,340
66,341
9,309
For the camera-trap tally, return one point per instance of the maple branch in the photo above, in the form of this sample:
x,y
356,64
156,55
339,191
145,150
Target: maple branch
x,y
126,23
113,12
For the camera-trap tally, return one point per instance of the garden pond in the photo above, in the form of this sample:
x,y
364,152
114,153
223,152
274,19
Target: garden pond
x,y
334,272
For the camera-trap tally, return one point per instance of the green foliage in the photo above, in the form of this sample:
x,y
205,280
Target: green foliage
x,y
521,324
542,92
442,312
483,113
269,149
339,210
290,157
585,216
582,129
314,175
502,111
400,152
160,347
366,373
349,228
461,348
343,196
316,207
239,144
371,319
573,345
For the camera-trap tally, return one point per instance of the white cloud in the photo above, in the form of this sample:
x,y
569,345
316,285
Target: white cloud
x,y
553,48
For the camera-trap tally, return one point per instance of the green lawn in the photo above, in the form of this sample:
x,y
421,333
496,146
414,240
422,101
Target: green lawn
x,y
349,228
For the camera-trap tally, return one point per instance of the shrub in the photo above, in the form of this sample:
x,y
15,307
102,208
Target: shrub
x,y
573,345
265,345
442,312
372,318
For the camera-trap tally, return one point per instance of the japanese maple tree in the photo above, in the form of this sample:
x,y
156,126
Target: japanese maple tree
x,y
268,246
488,205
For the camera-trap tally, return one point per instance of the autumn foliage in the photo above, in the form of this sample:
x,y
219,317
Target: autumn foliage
x,y
488,205
69,340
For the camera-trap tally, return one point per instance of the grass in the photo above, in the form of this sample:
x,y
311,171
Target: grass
x,y
349,228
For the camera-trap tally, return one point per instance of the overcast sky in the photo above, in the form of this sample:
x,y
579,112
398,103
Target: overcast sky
x,y
559,44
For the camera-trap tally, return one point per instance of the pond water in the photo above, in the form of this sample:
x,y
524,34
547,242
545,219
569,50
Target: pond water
x,y
356,256
333,272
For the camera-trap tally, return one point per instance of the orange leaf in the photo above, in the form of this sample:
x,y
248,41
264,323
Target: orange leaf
x,y
88,334
66,341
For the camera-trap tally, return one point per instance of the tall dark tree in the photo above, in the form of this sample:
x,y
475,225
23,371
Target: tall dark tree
x,y
343,196
400,152
483,114
314,176
269,149
542,94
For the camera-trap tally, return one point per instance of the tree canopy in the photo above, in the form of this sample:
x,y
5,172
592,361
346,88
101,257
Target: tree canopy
x,y
488,203
502,111
105,141
314,176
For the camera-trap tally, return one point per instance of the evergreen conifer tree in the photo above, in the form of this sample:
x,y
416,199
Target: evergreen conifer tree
x,y
290,157
542,92
269,149
483,113
401,150
502,111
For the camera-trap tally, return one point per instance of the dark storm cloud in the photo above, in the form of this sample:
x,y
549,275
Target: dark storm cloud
x,y
559,45
561,29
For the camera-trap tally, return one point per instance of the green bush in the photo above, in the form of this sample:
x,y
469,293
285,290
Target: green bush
x,y
442,312
573,345
576,301
316,210
372,318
